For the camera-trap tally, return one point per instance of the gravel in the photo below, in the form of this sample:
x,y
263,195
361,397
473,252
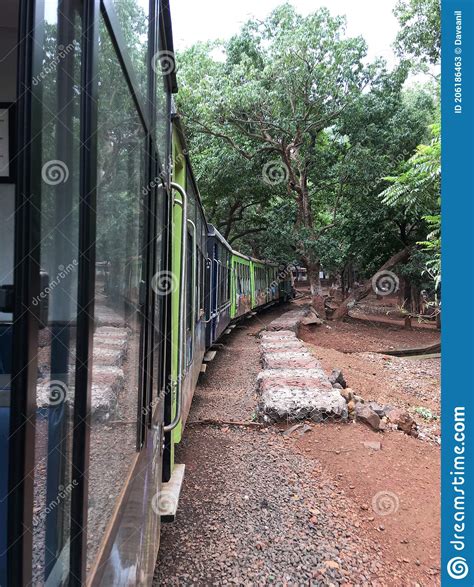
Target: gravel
x,y
252,511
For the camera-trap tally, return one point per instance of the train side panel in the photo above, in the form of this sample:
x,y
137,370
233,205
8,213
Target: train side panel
x,y
218,298
241,285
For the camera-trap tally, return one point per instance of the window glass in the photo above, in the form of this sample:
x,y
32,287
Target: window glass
x,y
56,303
59,78
133,16
163,63
116,343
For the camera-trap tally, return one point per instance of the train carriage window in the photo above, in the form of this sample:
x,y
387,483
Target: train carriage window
x,y
162,63
119,256
133,17
59,259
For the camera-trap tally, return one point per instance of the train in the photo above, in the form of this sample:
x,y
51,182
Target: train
x,y
113,287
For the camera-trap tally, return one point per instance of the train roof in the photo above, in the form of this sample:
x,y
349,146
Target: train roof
x,y
253,259
212,231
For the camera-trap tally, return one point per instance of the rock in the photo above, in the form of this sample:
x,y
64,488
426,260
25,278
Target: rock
x,y
292,404
289,360
367,416
403,420
331,564
337,377
378,409
358,399
312,319
351,406
303,378
373,444
337,386
290,321
347,393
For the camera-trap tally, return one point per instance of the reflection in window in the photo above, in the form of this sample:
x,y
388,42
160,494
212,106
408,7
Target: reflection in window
x,y
57,302
133,19
116,345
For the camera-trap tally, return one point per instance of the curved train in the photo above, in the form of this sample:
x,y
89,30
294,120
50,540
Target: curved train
x,y
113,286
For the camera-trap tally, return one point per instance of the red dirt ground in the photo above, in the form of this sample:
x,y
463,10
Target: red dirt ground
x,y
407,468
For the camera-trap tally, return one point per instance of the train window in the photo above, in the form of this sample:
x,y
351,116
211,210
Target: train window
x,y
59,260
162,64
133,18
116,344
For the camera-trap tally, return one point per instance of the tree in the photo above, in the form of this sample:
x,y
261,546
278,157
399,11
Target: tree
x,y
416,189
419,38
276,98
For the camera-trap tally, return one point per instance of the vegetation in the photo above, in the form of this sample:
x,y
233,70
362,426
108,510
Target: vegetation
x,y
306,151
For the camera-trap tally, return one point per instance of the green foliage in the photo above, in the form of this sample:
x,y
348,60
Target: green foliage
x,y
419,38
296,92
416,191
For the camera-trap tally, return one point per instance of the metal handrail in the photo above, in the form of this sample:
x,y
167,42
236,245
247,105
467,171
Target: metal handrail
x,y
182,307
193,322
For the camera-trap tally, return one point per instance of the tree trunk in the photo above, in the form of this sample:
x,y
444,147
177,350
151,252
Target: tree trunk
x,y
407,305
343,285
317,298
364,290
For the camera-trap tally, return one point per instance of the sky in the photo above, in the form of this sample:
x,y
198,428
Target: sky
x,y
202,20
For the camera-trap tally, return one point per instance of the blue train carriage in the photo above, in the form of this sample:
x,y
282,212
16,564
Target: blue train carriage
x,y
218,297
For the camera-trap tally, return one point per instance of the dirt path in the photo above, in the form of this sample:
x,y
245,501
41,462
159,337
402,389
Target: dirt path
x,y
259,507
